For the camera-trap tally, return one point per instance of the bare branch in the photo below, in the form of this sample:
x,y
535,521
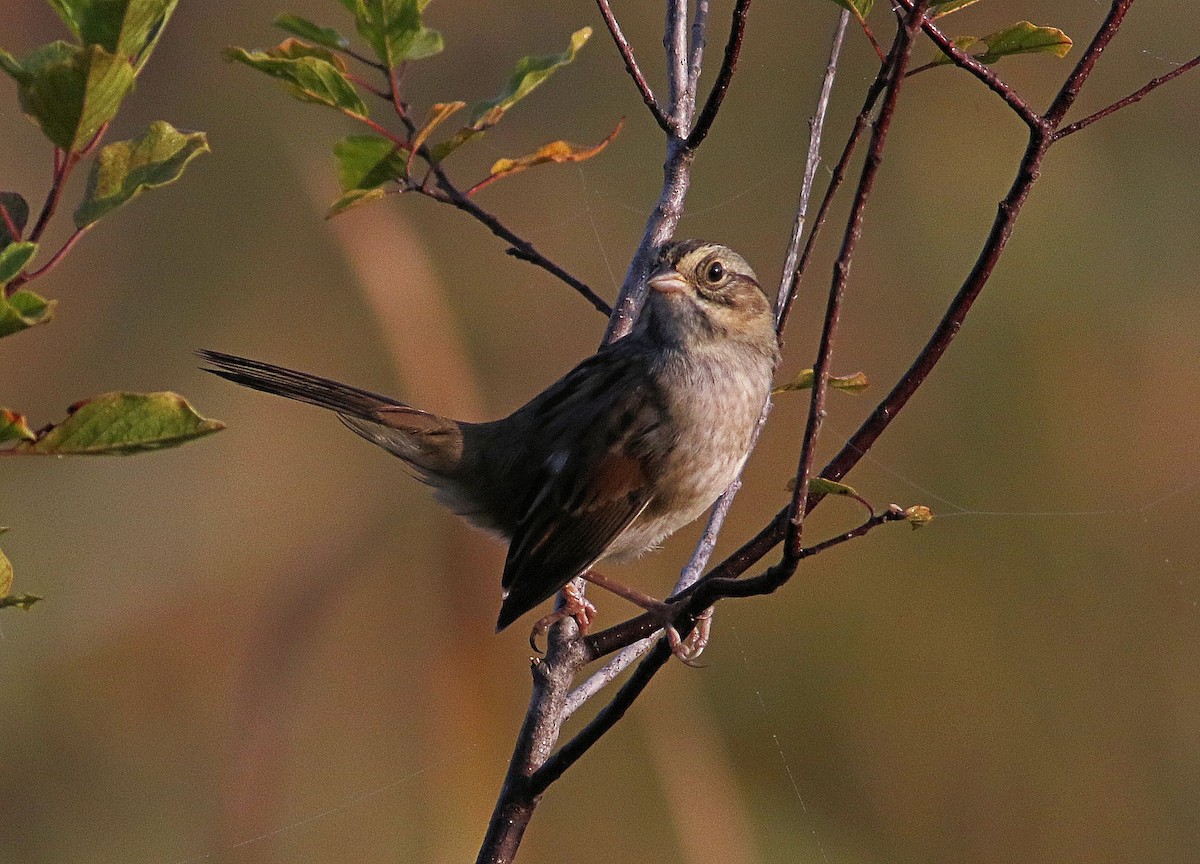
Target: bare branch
x,y
1135,96
816,127
1083,69
835,182
569,753
675,34
606,675
631,65
699,25
519,248
518,798
733,47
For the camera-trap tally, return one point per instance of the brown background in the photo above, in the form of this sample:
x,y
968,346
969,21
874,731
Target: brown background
x,y
270,646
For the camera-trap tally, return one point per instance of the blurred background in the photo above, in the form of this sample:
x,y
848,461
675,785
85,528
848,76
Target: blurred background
x,y
272,646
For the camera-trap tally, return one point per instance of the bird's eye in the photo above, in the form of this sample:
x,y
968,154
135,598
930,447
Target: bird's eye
x,y
715,272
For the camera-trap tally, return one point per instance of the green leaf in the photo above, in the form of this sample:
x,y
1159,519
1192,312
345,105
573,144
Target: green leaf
x,y
14,427
14,258
306,29
803,380
945,7
70,91
123,423
18,214
23,310
312,73
130,28
394,29
1020,38
529,73
352,199
123,169
963,43
821,486
1025,38
860,8
368,161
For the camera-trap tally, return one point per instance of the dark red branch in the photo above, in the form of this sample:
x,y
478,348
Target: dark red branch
x,y
631,65
1135,96
22,278
1083,69
63,163
14,232
980,70
737,31
519,248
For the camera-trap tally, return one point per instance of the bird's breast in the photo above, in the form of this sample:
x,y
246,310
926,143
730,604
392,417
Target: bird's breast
x,y
712,406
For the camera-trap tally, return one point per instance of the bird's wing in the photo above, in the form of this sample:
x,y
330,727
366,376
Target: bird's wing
x,y
571,520
595,473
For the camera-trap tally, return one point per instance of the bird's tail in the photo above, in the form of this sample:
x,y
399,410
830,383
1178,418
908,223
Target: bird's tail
x,y
431,444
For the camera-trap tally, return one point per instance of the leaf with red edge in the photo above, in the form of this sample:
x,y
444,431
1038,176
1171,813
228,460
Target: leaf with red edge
x,y
14,427
559,152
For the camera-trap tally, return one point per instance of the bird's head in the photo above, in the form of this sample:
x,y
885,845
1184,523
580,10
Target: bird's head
x,y
705,294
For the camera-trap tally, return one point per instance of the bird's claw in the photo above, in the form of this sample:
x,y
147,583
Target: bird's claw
x,y
687,650
575,606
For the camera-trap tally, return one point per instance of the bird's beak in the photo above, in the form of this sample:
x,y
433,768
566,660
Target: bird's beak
x,y
668,282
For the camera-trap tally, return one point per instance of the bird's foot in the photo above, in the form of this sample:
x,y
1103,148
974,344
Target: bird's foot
x,y
575,606
687,650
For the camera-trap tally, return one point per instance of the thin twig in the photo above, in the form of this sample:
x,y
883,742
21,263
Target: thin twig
x,y
1135,96
699,26
816,126
448,193
519,247
631,65
737,32
58,181
22,278
835,182
14,233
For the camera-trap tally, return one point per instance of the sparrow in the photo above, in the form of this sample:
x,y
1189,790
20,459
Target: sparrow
x,y
632,444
